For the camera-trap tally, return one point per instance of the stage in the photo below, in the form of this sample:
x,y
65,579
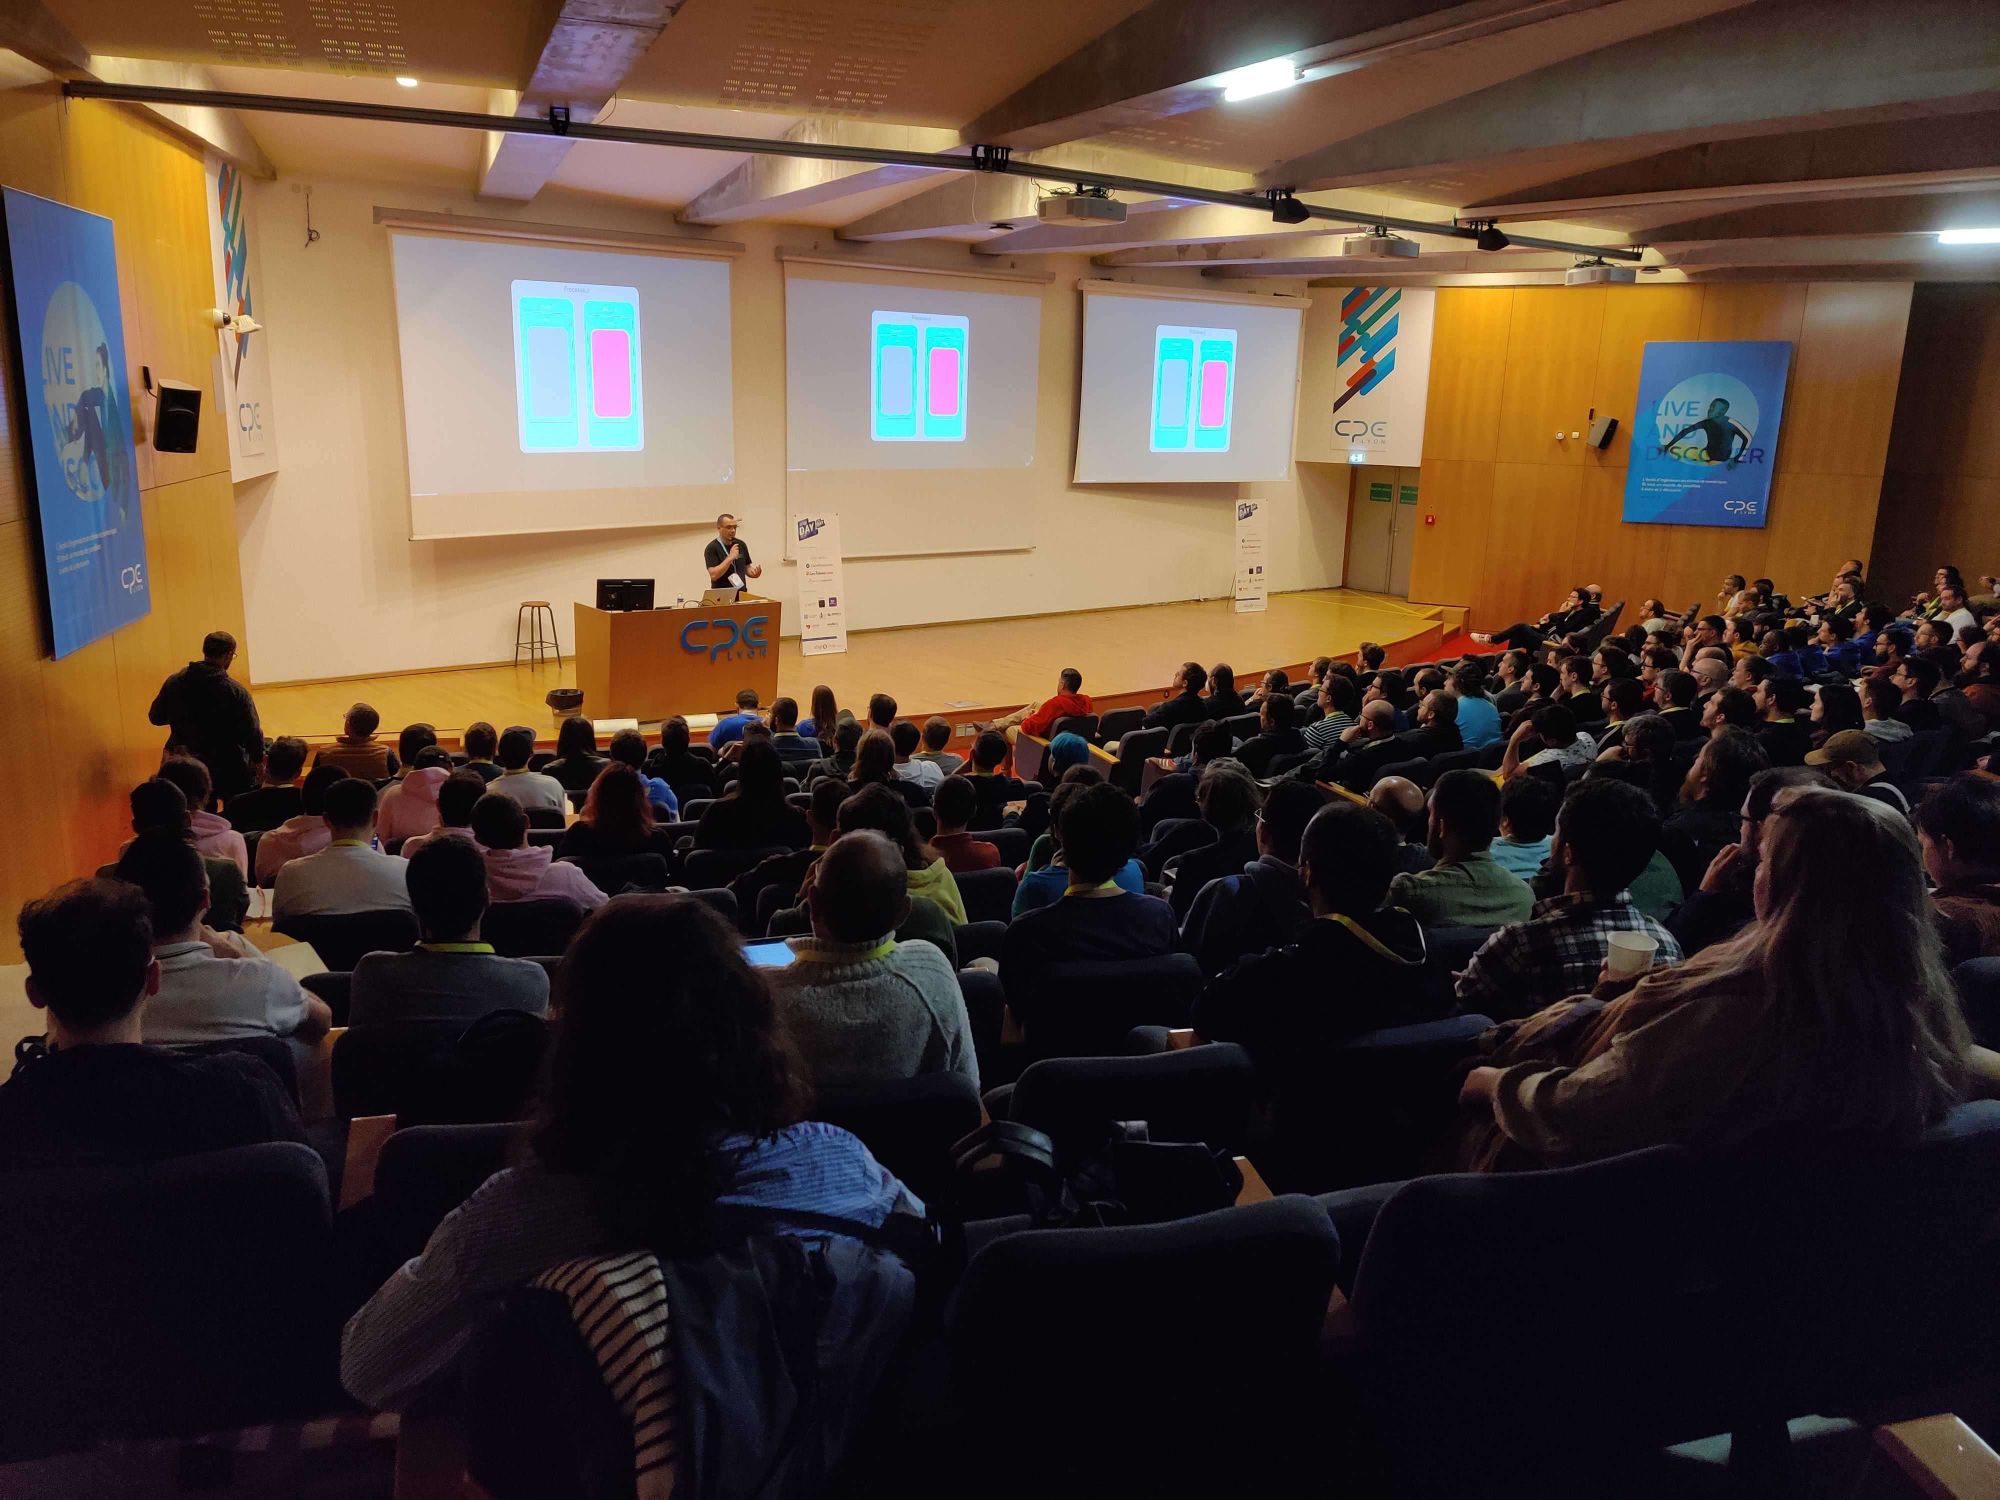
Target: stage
x,y
965,671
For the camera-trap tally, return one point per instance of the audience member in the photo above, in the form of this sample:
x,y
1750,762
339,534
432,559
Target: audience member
x,y
531,789
1068,700
577,760
482,746
305,834
1831,1014
628,748
1261,905
1094,920
796,750
786,869
729,728
1853,759
1706,818
453,975
1554,728
937,745
1880,698
845,738
212,833
1183,703
349,874
653,1114
1404,804
1224,702
1835,707
517,870
1605,835
409,807
455,800
1436,734
755,814
276,796
675,762
203,995
159,806
1677,709
1465,886
881,711
617,819
1575,613
874,761
412,742
1478,720
1229,799
906,739
1173,795
209,715
1731,708
1278,735
1918,679
1357,966
1721,906
863,1008
955,806
1337,702
356,751
1528,806
1958,831
1783,734
826,715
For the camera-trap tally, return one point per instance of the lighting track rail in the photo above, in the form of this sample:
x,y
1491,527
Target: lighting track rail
x,y
979,158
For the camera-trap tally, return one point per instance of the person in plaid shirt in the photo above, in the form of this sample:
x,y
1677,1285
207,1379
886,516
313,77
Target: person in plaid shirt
x,y
1605,835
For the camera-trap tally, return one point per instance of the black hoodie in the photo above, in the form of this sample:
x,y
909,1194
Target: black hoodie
x,y
1326,986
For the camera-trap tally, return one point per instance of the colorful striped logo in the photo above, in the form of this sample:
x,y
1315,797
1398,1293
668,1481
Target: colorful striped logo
x,y
1368,323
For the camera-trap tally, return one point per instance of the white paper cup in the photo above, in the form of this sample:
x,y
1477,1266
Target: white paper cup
x,y
1631,954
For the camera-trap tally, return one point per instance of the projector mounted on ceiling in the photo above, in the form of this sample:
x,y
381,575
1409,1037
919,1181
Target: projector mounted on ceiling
x,y
1597,273
1378,244
1084,206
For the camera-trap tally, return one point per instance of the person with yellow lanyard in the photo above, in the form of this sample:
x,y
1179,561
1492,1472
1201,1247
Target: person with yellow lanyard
x,y
349,874
1357,966
452,975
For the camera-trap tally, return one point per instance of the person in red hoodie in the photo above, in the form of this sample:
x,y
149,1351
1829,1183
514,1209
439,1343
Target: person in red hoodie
x,y
1041,718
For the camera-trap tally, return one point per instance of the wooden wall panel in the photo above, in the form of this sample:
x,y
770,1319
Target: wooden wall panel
x,y
1468,359
1552,519
1552,348
1844,371
1941,496
76,729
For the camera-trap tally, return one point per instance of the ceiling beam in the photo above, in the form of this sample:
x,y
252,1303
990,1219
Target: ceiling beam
x,y
591,48
1163,60
1769,68
1197,224
963,204
1899,214
1430,263
1913,156
770,187
1885,250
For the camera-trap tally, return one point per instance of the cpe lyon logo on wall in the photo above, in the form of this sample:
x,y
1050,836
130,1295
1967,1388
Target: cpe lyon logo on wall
x,y
86,422
1704,432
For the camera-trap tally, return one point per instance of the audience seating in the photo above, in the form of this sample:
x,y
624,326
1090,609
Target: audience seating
x,y
1447,950
1206,1094
1086,1009
611,873
274,1052
335,987
709,869
1419,771
341,940
986,1010
722,899
428,1072
1978,981
546,838
522,929
1160,1359
1241,727
166,1300
546,817
1135,748
988,894
910,1125
1081,724
978,940
1118,723
1453,760
1013,844
422,1174
1180,739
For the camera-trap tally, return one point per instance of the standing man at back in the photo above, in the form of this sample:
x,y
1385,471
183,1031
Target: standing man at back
x,y
209,715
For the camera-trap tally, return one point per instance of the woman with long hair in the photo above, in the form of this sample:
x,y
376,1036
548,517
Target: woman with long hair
x,y
1830,1014
754,814
673,1091
577,759
825,715
874,760
1224,702
1835,707
617,818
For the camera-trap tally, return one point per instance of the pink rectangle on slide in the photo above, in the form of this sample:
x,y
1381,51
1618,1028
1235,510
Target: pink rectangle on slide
x,y
1214,391
611,372
944,383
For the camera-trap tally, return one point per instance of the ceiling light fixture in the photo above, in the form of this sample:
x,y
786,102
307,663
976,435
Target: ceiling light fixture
x,y
1259,78
406,80
1490,237
1287,209
1969,236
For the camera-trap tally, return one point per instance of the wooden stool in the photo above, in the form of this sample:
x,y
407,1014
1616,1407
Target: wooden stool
x,y
528,635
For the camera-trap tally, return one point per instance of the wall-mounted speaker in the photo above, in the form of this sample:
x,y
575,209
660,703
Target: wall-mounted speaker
x,y
176,416
1602,431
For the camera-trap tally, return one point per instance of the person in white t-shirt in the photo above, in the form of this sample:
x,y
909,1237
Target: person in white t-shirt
x,y
529,788
907,737
1555,727
210,988
349,874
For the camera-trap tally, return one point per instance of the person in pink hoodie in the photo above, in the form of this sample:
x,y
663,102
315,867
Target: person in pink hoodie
x,y
457,795
410,806
305,834
519,871
212,834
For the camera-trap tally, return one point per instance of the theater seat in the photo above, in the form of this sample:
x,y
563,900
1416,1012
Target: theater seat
x,y
340,940
431,1072
909,1126
988,894
164,1300
611,873
526,929
1204,1094
1086,1009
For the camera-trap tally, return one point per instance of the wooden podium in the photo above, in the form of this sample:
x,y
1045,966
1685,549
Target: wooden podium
x,y
654,663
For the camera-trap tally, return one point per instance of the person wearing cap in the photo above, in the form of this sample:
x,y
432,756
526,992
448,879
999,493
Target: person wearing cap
x,y
1853,758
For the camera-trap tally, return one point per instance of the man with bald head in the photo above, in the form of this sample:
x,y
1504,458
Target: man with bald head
x,y
863,1008
1401,801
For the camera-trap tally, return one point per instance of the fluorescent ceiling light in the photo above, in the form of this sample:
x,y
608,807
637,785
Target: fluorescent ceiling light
x,y
1258,78
406,80
1969,236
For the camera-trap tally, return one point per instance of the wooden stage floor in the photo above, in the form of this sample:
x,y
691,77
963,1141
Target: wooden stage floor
x,y
960,670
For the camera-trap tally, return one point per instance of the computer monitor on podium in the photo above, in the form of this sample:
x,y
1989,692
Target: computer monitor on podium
x,y
624,593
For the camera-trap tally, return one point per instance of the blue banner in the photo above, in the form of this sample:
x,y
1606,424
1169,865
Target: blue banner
x,y
62,266
1705,432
